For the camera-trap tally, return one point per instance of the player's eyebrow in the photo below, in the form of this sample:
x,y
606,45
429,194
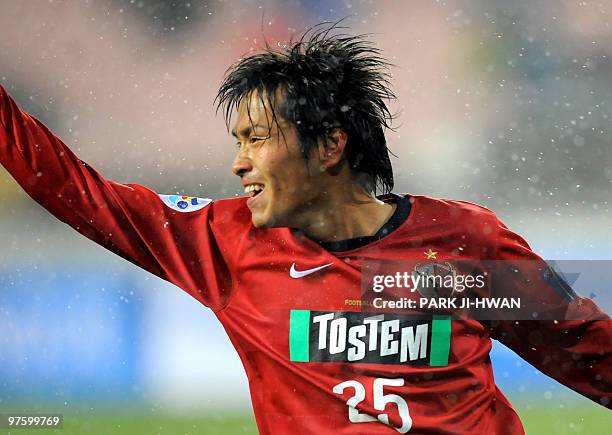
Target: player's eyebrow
x,y
246,131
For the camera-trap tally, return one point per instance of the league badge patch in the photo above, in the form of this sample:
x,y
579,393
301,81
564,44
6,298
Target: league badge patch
x,y
559,281
185,204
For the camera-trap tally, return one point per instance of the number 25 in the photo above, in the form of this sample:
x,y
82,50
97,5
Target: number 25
x,y
380,401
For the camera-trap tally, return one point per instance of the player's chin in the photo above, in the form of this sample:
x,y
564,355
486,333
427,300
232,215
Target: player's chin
x,y
261,220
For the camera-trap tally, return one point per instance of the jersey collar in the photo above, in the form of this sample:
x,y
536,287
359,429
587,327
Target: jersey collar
x,y
398,218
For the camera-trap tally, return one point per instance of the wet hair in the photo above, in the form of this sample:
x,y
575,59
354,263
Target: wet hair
x,y
327,80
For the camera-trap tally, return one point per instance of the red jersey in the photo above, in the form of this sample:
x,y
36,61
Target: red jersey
x,y
317,361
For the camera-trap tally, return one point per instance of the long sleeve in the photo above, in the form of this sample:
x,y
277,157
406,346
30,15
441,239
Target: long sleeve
x,y
148,229
576,349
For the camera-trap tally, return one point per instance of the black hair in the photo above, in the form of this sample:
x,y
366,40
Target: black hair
x,y
327,80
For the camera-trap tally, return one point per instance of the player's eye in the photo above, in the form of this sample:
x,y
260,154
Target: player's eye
x,y
253,140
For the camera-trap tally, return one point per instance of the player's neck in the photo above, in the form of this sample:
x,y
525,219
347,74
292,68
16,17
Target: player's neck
x,y
344,214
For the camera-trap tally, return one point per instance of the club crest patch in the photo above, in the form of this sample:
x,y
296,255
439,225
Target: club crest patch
x,y
185,204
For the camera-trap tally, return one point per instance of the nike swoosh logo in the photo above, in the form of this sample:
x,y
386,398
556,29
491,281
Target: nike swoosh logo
x,y
302,273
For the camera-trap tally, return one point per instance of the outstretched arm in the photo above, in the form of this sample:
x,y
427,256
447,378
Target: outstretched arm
x,y
576,349
128,219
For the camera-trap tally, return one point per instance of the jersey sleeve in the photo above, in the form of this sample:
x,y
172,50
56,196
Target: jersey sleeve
x,y
576,347
128,219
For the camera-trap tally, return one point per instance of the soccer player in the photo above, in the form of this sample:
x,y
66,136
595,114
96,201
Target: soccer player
x,y
282,267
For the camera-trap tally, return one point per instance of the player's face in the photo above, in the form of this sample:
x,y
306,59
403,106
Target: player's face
x,y
273,171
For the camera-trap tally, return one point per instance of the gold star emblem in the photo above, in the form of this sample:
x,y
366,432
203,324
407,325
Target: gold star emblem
x,y
431,255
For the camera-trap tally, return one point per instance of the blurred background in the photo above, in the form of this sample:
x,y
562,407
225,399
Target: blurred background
x,y
506,104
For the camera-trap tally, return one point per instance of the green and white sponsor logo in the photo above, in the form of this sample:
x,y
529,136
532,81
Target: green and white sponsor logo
x,y
375,338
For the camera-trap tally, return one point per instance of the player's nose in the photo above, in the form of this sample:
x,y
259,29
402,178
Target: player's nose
x,y
241,164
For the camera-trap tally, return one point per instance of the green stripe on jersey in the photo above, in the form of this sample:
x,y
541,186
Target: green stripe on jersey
x,y
440,340
299,336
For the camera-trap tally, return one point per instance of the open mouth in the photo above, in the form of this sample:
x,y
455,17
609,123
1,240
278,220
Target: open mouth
x,y
254,189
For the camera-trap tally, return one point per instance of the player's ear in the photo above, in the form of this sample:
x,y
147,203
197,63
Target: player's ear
x,y
331,149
